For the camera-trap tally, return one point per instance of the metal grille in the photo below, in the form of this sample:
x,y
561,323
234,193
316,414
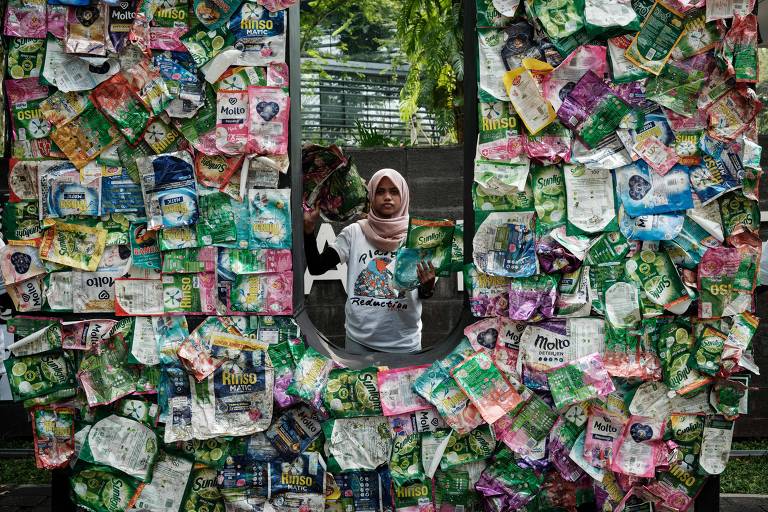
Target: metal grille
x,y
334,100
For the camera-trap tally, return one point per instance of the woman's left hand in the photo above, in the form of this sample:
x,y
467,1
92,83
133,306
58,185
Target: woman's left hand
x,y
426,272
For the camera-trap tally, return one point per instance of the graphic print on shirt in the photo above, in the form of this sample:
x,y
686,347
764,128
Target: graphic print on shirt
x,y
374,281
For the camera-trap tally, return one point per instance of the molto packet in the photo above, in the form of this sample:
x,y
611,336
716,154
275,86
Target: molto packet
x,y
85,137
603,428
635,452
123,444
103,489
396,392
270,220
64,190
53,430
523,90
589,200
27,295
168,186
268,120
123,107
19,263
579,380
259,35
500,135
294,430
39,374
485,386
592,110
657,277
86,30
352,393
232,121
656,154
653,45
644,192
664,226
73,245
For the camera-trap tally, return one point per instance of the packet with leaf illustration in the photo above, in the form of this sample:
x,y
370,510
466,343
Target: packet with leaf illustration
x,y
73,245
350,393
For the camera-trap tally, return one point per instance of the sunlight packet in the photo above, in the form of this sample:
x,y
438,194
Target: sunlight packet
x,y
657,276
648,49
352,393
168,186
73,245
589,199
548,184
102,489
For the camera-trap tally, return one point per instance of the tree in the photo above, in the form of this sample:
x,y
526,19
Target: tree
x,y
430,35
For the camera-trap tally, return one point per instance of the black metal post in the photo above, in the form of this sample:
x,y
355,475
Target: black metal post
x,y
470,121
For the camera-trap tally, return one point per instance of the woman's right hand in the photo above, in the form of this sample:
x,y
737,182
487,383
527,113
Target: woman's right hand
x,y
310,220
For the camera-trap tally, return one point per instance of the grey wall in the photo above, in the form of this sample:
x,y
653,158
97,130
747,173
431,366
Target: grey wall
x,y
435,179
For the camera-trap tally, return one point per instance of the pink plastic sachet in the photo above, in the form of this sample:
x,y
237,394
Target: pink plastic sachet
x,y
636,450
269,108
485,386
579,380
603,428
396,390
26,18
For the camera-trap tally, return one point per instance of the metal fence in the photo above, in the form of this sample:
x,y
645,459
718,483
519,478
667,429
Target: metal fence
x,y
336,95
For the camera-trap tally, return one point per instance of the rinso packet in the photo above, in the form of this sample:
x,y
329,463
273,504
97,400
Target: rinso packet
x,y
168,185
657,277
260,35
270,218
500,133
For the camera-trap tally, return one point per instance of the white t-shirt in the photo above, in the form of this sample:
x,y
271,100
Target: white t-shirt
x,y
378,316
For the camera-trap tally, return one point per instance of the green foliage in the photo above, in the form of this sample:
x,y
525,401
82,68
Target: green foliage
x,y
430,34
368,137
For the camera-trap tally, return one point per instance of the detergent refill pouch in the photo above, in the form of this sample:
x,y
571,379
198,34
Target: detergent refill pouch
x,y
644,192
170,194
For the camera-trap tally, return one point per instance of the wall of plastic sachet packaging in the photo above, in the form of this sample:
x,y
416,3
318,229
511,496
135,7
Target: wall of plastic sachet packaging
x,y
615,257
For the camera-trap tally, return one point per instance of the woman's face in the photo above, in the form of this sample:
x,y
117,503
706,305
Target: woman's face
x,y
386,199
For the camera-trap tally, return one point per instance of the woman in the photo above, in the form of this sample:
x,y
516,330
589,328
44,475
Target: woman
x,y
379,318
